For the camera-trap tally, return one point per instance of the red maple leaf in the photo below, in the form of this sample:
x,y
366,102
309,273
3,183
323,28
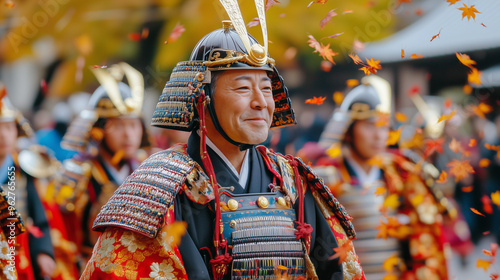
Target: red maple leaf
x,y
176,33
316,100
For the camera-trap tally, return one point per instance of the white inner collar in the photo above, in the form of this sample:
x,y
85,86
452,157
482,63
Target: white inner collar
x,y
118,175
366,179
245,169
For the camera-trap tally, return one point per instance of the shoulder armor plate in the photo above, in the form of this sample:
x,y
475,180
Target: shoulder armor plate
x,y
141,202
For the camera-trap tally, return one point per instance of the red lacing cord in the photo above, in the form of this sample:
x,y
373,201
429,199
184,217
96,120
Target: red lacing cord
x,y
303,230
222,260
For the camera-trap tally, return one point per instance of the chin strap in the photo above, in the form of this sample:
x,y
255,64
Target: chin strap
x,y
220,263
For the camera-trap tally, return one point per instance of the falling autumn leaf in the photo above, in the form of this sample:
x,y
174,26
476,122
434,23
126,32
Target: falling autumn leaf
x,y
380,190
342,252
460,169
443,177
447,117
483,24
469,12
448,102
326,66
174,232
400,117
134,37
352,82
9,4
491,147
393,137
316,100
392,201
483,264
419,12
484,162
313,43
416,56
477,212
495,198
467,89
487,204
327,53
356,59
482,109
44,87
254,22
338,97
455,146
327,19
472,142
176,33
402,53
335,35
358,46
452,2
347,12
474,77
317,2
271,3
433,145
391,263
117,157
465,60
334,151
436,36
374,65
467,189
145,33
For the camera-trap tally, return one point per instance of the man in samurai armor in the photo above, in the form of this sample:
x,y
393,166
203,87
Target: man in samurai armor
x,y
34,254
250,213
397,213
109,136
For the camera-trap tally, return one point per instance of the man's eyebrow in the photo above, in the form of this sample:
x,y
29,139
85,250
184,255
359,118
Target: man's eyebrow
x,y
245,77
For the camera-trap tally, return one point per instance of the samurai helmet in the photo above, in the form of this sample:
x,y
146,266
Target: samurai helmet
x,y
228,48
113,99
369,100
8,113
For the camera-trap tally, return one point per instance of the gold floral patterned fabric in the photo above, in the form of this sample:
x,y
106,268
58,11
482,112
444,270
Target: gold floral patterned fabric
x,y
124,255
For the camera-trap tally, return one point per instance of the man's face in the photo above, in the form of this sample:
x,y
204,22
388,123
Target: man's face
x,y
244,104
123,134
369,139
8,137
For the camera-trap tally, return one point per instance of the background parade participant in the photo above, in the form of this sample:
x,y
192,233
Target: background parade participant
x,y
11,225
34,251
249,212
395,210
108,137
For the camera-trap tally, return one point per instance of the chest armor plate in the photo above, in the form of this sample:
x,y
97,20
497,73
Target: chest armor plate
x,y
259,229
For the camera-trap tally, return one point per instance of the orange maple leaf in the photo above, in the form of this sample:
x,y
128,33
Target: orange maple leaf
x,y
317,2
469,12
380,190
491,147
356,59
495,198
477,212
416,56
443,177
402,53
484,162
452,2
328,17
487,204
482,109
447,117
338,97
316,100
483,264
352,82
327,53
467,189
174,232
472,142
467,89
392,201
393,137
465,60
474,76
342,252
460,169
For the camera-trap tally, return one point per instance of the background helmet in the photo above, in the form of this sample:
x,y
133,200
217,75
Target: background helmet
x,y
8,113
368,100
110,100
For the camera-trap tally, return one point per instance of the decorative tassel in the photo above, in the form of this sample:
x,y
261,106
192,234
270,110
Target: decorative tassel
x,y
220,265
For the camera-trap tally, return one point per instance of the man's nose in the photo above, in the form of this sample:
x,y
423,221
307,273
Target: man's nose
x,y
258,99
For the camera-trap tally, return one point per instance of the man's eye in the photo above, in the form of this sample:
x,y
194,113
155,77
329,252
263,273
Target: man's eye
x,y
243,88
